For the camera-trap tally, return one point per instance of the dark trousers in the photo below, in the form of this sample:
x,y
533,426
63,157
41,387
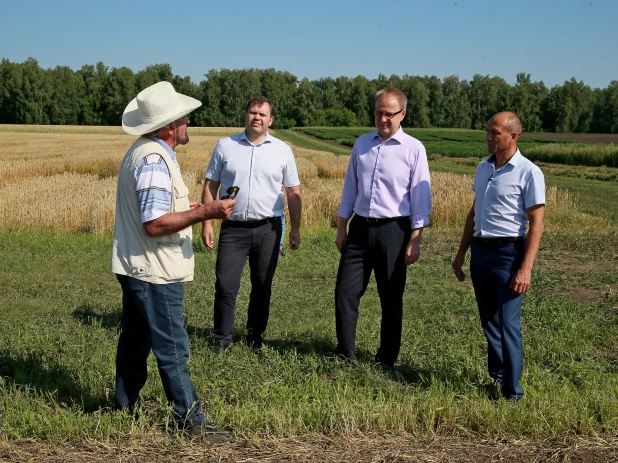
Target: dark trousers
x,y
236,242
492,268
379,247
152,320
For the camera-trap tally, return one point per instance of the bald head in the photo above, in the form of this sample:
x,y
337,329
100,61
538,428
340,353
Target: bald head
x,y
503,131
509,121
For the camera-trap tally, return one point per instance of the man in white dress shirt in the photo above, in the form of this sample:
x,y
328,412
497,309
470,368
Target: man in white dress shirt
x,y
259,164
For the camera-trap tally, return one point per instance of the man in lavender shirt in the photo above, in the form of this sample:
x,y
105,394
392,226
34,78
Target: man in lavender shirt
x,y
387,187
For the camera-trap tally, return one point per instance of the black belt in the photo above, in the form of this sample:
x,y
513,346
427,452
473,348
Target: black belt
x,y
497,242
380,220
251,223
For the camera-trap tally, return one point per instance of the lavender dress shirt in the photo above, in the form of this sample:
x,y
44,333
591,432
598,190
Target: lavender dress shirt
x,y
387,179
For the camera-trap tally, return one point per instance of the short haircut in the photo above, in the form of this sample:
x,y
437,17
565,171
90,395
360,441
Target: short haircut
x,y
511,121
514,124
156,131
259,102
393,94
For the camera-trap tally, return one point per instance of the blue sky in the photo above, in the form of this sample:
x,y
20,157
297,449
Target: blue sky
x,y
552,40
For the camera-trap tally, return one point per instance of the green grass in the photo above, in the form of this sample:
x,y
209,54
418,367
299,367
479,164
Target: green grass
x,y
59,329
575,154
425,135
303,141
596,197
463,143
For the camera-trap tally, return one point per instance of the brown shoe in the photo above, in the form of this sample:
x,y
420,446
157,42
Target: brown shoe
x,y
209,434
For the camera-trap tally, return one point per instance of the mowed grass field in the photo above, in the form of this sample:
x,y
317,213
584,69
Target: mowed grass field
x,y
60,317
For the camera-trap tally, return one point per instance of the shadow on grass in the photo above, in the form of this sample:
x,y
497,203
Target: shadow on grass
x,y
425,377
304,346
89,315
317,345
47,377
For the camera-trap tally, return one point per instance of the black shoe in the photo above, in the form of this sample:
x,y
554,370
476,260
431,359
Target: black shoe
x,y
491,388
218,348
254,342
209,434
385,368
340,359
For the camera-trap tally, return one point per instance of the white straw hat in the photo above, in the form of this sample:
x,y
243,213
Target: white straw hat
x,y
155,107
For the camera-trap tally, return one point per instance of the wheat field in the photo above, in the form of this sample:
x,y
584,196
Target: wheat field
x,y
65,180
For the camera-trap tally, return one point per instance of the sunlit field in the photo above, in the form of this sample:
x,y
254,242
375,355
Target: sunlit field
x,y
61,310
66,181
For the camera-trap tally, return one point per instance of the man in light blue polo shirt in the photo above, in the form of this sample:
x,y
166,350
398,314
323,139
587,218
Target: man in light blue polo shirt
x,y
509,195
259,164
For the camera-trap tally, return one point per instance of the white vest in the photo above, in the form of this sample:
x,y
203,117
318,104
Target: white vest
x,y
161,260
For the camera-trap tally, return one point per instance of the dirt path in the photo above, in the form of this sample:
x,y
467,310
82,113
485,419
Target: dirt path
x,y
328,142
373,449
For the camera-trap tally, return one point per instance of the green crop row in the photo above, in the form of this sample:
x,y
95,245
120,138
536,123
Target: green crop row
x,y
463,143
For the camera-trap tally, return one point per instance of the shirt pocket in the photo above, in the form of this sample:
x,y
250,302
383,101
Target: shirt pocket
x,y
181,198
170,247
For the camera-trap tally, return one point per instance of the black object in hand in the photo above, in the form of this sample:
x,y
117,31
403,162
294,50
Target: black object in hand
x,y
231,192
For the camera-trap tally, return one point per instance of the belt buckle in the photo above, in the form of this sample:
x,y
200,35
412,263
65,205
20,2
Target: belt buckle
x,y
372,219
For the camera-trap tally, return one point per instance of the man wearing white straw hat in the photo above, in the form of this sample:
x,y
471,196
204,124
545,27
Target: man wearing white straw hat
x,y
152,255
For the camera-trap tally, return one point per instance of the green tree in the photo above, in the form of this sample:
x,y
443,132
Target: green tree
x,y
209,114
457,111
91,93
280,87
417,114
435,105
487,96
307,102
569,108
362,101
66,88
8,92
152,74
333,118
328,93
526,101
28,87
610,113
119,90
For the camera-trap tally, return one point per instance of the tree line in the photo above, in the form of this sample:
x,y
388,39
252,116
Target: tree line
x,y
97,95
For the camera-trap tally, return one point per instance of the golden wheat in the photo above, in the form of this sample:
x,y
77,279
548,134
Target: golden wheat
x,y
562,212
64,202
306,169
67,181
328,164
451,196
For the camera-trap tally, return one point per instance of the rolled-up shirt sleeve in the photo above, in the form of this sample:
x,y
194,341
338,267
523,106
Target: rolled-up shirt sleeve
x,y
350,189
420,190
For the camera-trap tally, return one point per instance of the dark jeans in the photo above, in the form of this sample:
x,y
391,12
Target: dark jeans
x,y
492,269
236,242
379,247
152,319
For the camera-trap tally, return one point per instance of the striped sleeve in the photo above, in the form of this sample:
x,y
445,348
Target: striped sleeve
x,y
153,187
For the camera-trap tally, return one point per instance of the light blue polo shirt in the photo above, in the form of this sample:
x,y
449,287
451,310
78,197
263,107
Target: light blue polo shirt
x,y
502,196
259,170
154,184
